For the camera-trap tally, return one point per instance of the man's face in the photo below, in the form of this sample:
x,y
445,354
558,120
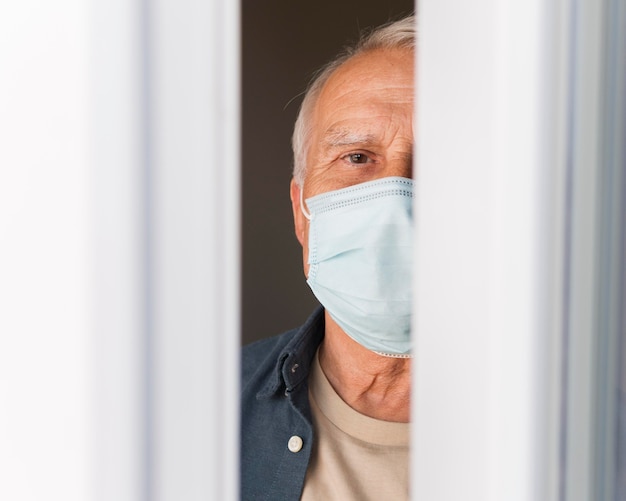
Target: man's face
x,y
362,129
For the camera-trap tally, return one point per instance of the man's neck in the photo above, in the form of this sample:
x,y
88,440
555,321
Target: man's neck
x,y
374,385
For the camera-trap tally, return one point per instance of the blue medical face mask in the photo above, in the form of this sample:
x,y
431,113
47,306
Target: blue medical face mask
x,y
360,258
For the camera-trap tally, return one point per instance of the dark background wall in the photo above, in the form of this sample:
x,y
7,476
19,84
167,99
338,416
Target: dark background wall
x,y
284,42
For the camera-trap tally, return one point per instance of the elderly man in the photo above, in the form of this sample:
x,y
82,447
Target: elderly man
x,y
325,408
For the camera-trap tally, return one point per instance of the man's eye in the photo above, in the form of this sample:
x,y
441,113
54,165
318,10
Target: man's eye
x,y
358,158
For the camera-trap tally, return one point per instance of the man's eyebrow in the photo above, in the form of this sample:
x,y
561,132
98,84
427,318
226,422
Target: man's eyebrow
x,y
345,137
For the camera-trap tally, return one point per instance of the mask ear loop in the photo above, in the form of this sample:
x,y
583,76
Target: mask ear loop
x,y
304,211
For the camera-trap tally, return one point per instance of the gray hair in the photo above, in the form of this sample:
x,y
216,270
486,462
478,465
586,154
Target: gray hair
x,y
394,35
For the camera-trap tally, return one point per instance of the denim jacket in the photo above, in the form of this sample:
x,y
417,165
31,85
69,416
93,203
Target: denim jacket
x,y
274,409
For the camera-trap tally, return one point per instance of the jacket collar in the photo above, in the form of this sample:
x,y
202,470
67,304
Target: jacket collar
x,y
294,361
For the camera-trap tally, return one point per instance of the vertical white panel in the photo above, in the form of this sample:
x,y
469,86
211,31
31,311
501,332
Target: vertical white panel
x,y
194,95
525,265
488,276
44,265
453,166
118,245
167,204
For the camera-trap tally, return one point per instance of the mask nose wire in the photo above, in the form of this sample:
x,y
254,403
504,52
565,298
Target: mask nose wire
x,y
304,211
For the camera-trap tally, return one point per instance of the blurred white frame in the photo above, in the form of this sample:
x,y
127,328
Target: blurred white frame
x,y
517,315
45,219
166,152
491,177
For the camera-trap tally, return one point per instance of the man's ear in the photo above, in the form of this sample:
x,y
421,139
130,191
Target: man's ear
x,y
299,220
